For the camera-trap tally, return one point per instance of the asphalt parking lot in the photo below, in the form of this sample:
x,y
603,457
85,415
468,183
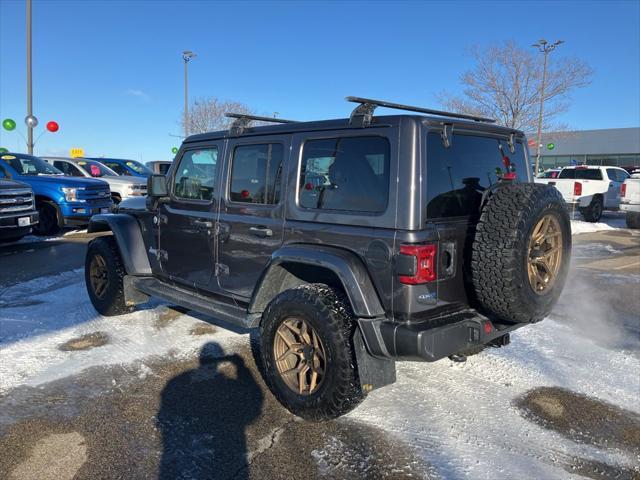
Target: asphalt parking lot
x,y
162,393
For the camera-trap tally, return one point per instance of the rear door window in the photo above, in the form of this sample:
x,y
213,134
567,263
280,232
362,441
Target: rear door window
x,y
457,176
348,174
256,174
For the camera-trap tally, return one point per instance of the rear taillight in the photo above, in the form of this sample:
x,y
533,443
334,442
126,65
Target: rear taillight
x,y
577,188
623,189
424,263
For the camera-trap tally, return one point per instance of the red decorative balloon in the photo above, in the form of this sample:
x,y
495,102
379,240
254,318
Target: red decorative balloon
x,y
53,126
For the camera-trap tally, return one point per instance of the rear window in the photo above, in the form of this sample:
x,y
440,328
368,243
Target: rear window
x,y
349,174
581,173
457,176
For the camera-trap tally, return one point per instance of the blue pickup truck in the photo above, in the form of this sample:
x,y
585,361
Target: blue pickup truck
x,y
61,201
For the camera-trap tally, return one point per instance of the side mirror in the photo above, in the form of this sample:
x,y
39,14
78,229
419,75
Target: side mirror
x,y
157,186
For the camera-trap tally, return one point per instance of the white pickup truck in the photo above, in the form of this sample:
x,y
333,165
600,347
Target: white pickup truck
x,y
589,188
630,202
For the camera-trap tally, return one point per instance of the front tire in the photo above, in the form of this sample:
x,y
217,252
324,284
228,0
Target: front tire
x,y
50,219
633,219
307,352
104,273
593,212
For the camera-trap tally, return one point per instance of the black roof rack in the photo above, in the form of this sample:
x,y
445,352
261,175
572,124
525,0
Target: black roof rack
x,y
242,121
363,113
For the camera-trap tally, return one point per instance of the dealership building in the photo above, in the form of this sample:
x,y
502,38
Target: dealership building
x,y
613,146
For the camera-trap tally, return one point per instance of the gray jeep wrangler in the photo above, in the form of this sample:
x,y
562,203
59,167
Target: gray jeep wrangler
x,y
349,243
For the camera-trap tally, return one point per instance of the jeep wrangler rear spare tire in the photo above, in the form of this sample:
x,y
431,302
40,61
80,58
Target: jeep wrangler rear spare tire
x,y
307,352
103,273
521,252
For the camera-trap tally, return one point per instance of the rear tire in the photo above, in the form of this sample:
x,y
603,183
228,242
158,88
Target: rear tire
x,y
633,219
521,252
330,329
103,273
50,219
593,212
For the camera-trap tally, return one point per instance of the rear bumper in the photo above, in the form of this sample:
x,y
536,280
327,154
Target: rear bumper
x,y
630,207
432,340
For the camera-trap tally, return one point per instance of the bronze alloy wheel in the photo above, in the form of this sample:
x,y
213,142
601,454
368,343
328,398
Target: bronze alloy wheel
x,y
545,253
99,275
299,355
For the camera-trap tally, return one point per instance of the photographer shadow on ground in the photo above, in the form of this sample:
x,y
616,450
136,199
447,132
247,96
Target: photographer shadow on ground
x,y
203,418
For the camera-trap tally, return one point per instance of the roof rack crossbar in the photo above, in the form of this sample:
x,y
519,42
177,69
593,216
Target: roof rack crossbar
x,y
242,121
363,113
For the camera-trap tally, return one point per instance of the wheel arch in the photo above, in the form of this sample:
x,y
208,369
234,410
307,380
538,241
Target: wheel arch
x,y
293,265
128,237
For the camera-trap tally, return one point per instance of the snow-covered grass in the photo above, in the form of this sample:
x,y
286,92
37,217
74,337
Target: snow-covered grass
x,y
461,417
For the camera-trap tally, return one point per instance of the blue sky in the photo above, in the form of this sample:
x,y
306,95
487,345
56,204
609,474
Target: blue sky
x,y
110,72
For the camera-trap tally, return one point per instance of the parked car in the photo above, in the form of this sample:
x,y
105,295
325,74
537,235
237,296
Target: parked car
x,y
61,201
630,199
127,168
551,173
589,188
369,262
17,209
121,187
159,166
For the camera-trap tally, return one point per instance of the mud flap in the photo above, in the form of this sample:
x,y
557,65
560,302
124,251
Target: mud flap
x,y
373,372
132,296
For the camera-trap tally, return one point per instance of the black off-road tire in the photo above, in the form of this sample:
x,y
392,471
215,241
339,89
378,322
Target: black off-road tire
x,y
633,219
112,301
593,212
51,221
500,252
329,314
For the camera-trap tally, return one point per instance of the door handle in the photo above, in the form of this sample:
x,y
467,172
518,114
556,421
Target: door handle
x,y
261,232
203,223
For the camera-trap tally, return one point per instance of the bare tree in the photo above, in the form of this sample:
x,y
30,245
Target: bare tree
x,y
506,81
207,114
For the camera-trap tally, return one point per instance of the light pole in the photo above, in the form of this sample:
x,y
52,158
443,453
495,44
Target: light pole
x,y
187,55
545,48
29,120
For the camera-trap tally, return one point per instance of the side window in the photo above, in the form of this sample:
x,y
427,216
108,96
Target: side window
x,y
349,174
457,176
2,174
116,167
255,174
196,174
612,173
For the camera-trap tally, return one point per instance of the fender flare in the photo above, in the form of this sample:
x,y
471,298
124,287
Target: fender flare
x,y
347,267
128,236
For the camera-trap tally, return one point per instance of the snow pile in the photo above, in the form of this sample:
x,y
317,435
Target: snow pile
x,y
578,226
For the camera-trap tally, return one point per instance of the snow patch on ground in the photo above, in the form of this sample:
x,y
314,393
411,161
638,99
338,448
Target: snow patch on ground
x,y
462,418
608,221
37,317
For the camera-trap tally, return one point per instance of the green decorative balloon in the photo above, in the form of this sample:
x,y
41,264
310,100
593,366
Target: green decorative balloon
x,y
3,150
174,150
9,124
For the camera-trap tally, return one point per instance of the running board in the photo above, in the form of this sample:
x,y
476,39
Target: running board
x,y
194,301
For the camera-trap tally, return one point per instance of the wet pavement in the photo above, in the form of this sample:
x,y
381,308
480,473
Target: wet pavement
x,y
210,416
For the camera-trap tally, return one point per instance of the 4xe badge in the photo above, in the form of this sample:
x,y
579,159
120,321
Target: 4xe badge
x,y
428,298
